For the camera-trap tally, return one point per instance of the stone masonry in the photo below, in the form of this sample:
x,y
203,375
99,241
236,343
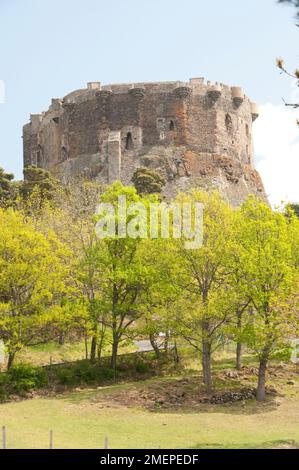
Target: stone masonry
x,y
195,134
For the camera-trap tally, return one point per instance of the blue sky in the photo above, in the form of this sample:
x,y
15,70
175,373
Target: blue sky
x,y
51,47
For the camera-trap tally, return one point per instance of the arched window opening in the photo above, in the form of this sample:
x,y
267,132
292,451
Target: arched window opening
x,y
129,141
171,125
63,153
247,130
228,123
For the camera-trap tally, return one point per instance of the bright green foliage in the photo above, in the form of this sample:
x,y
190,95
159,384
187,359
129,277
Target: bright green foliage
x,y
72,219
31,281
22,378
124,275
58,278
161,293
266,260
205,303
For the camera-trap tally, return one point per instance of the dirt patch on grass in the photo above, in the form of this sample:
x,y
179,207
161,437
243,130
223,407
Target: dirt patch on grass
x,y
186,392
189,392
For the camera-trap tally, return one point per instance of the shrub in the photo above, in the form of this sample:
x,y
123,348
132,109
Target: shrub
x,y
86,372
66,376
79,373
25,377
83,373
142,367
107,373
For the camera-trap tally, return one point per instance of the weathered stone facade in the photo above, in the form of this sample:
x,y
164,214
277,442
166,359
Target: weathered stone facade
x,y
195,134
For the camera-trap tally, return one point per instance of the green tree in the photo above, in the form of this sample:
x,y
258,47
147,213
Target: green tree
x,y
266,260
124,276
72,218
32,271
8,189
38,187
160,293
205,305
240,301
295,208
147,181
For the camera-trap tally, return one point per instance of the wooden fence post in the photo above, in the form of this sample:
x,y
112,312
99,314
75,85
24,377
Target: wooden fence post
x,y
51,439
106,443
3,437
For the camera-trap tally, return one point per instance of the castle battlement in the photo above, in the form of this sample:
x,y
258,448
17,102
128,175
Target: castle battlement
x,y
79,132
196,85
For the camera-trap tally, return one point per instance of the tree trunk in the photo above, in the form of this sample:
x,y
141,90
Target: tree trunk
x,y
239,356
93,349
176,353
261,386
101,342
115,334
166,341
206,365
203,366
239,345
154,345
86,347
114,354
11,358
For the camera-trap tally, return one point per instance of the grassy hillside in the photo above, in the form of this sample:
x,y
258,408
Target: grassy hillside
x,y
83,418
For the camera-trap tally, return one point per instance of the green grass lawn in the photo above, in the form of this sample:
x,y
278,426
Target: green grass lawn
x,y
80,420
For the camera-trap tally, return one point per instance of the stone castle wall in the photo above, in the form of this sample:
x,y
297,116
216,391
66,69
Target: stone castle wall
x,y
195,133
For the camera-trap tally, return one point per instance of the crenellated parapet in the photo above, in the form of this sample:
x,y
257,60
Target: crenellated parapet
x,y
254,111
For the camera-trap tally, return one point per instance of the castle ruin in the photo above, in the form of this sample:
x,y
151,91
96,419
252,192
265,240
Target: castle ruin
x,y
196,134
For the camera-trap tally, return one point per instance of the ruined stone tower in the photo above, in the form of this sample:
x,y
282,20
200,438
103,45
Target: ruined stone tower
x,y
195,134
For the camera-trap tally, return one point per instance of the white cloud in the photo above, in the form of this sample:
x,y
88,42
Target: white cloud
x,y
276,143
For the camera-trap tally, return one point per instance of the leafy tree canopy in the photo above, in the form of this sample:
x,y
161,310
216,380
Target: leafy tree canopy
x,y
147,181
7,188
40,181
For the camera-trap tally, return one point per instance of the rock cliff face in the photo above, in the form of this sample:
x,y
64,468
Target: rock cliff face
x,y
195,134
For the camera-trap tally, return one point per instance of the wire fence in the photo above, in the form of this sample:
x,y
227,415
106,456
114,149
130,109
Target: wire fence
x,y
51,439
